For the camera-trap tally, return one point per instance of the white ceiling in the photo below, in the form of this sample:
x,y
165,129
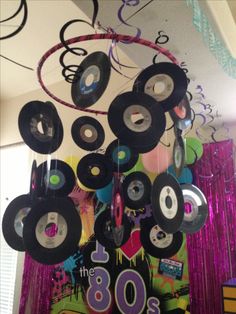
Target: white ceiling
x,y
171,16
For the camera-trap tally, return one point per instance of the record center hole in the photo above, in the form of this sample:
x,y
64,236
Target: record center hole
x,y
159,87
161,235
51,229
168,201
41,127
187,208
95,171
137,118
88,133
136,189
54,179
121,155
89,79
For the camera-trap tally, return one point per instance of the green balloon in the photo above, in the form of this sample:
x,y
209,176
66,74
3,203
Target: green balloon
x,y
193,150
137,167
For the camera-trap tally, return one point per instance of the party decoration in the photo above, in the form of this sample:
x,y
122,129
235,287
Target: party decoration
x,y
193,150
185,177
157,160
104,195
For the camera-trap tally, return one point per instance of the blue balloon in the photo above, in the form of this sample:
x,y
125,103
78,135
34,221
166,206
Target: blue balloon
x,y
104,195
186,176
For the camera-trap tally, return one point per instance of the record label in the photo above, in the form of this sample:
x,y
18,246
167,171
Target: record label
x,y
55,178
89,80
143,124
181,114
159,238
168,202
18,221
122,156
178,155
159,86
51,230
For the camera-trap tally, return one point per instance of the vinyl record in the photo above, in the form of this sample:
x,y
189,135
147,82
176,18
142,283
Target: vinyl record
x,y
145,148
92,81
87,133
55,178
178,155
181,114
127,107
33,180
137,190
40,127
13,221
157,242
123,158
103,229
196,209
52,230
94,171
164,81
167,203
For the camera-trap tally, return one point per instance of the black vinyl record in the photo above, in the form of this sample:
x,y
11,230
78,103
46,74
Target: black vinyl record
x,y
196,209
146,148
91,79
164,81
55,178
33,180
137,190
178,155
157,242
13,221
87,133
52,230
167,203
103,230
181,114
123,158
121,118
94,171
40,127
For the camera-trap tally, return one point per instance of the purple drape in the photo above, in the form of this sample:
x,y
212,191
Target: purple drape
x,y
36,287
212,250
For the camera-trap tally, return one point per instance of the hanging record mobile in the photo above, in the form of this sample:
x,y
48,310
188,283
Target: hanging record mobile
x,y
103,230
164,81
123,157
157,242
167,203
121,118
55,178
196,209
40,127
178,155
87,133
91,79
137,190
13,221
52,230
94,171
181,114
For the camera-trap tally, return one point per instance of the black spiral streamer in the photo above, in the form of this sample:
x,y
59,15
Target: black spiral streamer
x,y
71,72
23,5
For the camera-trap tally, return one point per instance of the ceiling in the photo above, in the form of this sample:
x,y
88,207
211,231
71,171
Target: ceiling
x,y
172,17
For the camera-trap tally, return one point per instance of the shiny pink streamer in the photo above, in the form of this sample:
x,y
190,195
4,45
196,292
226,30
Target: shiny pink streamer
x,y
36,290
212,250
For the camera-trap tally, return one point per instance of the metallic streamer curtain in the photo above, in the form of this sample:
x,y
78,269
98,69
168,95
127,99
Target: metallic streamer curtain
x,y
212,251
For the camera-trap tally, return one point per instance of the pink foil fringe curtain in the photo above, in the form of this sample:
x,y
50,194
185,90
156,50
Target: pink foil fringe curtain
x,y
212,251
36,287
